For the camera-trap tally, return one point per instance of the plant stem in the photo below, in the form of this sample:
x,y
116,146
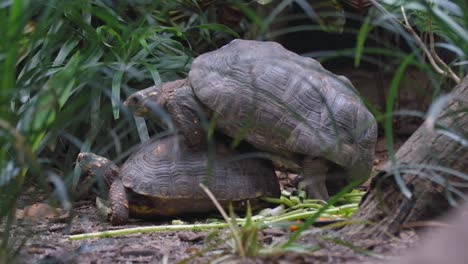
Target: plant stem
x,y
147,229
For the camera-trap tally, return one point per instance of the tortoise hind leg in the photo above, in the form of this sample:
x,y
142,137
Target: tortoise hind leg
x,y
315,172
118,203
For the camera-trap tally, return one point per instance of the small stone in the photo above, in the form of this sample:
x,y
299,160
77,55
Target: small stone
x,y
191,236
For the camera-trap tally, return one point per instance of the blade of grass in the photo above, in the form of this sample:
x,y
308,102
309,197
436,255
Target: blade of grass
x,y
218,28
13,37
388,123
65,51
116,84
142,129
234,229
154,73
366,27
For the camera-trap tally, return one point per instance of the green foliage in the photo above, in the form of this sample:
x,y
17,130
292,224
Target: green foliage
x,y
249,244
388,123
446,19
445,23
65,65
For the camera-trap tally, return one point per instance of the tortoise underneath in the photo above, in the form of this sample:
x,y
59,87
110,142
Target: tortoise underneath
x,y
162,178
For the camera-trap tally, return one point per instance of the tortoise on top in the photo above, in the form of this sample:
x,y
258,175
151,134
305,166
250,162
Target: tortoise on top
x,y
162,178
277,101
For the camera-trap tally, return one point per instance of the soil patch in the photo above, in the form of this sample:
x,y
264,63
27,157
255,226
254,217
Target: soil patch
x,y
46,241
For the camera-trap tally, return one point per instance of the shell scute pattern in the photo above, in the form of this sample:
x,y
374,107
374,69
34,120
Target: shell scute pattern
x,y
175,171
296,104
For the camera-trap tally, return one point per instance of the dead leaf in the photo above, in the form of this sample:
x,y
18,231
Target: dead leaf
x,y
40,211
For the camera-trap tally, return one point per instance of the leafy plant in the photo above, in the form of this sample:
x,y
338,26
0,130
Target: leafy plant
x,y
65,65
446,20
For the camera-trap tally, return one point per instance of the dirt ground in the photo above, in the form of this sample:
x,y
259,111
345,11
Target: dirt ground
x,y
46,241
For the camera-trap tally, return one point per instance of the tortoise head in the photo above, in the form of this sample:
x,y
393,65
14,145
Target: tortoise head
x,y
152,99
90,162
146,101
95,165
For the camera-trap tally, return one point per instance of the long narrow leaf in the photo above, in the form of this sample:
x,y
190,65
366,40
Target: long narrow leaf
x,y
361,40
154,73
388,127
459,30
218,28
116,84
142,129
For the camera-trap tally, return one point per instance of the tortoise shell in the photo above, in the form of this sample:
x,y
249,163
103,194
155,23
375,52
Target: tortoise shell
x,y
163,177
286,102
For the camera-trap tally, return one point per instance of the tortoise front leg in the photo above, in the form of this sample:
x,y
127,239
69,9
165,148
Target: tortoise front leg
x,y
185,112
118,203
315,172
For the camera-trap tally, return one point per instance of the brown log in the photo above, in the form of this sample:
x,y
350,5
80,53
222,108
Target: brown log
x,y
385,209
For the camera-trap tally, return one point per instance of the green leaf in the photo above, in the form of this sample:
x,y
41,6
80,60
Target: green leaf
x,y
67,77
64,51
14,31
174,30
459,30
42,108
142,129
116,83
218,27
144,44
388,126
107,34
249,13
361,40
154,73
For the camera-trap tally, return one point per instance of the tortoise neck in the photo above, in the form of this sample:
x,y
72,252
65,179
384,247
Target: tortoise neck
x,y
110,173
106,171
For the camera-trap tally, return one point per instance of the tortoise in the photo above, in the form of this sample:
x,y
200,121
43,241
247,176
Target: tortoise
x,y
276,100
162,178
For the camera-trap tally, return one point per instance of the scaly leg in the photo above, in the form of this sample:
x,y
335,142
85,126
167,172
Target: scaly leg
x,y
118,203
315,172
